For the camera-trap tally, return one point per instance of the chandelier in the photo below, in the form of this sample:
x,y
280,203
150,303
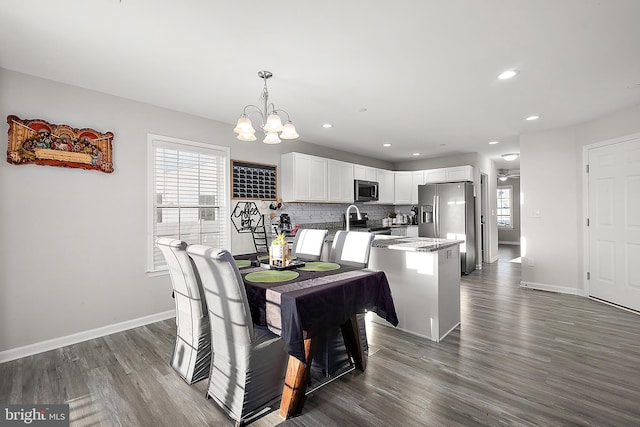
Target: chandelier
x,y
271,123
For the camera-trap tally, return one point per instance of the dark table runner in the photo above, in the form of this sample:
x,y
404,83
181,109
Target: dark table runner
x,y
317,301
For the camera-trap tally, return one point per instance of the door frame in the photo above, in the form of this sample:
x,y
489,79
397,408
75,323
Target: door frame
x,y
585,203
484,211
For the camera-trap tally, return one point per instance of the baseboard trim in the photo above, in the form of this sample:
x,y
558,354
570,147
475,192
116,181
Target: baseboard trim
x,y
621,307
506,242
552,288
449,331
494,259
52,344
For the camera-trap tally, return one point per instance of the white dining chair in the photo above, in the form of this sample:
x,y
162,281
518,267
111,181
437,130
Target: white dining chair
x,y
307,245
351,248
192,351
248,368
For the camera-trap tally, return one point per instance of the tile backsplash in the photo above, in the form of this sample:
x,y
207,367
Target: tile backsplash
x,y
312,214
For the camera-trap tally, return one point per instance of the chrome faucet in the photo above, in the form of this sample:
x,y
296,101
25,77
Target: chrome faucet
x,y
346,215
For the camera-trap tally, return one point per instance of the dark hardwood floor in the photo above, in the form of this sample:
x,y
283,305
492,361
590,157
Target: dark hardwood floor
x,y
521,357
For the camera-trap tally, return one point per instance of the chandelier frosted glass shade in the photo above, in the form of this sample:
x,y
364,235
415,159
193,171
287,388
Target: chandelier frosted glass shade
x,y
271,123
244,125
248,136
289,131
272,138
274,123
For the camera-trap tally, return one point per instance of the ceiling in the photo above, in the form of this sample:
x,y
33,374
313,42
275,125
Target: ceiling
x,y
424,70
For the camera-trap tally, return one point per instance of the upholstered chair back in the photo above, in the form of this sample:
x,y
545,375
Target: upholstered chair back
x,y
307,245
224,293
351,248
247,370
192,352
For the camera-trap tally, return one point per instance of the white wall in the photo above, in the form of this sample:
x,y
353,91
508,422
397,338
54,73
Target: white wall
x,y
548,213
74,242
551,182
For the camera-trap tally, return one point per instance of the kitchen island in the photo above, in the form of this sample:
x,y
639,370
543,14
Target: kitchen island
x,y
424,276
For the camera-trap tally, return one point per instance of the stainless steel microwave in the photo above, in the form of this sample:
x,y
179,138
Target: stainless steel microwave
x,y
365,191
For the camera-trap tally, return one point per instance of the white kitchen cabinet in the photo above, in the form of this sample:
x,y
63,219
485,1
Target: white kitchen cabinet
x,y
435,175
417,178
460,173
399,231
403,188
366,173
303,178
406,187
405,231
453,174
385,181
412,231
340,180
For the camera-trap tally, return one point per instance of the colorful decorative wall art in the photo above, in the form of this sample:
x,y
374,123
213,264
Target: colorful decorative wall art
x,y
37,141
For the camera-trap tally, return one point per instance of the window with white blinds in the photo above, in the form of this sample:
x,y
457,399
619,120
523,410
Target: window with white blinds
x,y
189,197
505,205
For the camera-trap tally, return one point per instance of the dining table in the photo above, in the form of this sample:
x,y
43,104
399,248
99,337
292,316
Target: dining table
x,y
301,304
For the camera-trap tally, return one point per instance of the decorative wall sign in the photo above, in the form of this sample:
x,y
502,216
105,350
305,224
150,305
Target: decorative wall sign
x,y
43,143
253,181
246,217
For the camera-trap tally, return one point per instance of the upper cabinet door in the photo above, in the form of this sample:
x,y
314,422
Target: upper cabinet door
x,y
417,178
386,184
403,188
365,173
435,175
460,173
340,181
303,178
454,174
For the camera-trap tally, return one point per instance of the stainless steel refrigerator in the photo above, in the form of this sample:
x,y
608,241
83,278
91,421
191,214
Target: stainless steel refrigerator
x,y
447,211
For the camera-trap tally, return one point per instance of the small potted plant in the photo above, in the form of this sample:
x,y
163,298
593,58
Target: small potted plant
x,y
279,251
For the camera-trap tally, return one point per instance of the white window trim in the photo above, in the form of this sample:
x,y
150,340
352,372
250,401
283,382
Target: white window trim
x,y
504,227
151,193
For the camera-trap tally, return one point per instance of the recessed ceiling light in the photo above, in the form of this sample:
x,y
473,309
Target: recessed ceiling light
x,y
362,110
327,125
416,154
506,75
531,118
494,142
386,144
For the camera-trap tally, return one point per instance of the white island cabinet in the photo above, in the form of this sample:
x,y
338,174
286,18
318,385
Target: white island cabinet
x,y
424,277
303,178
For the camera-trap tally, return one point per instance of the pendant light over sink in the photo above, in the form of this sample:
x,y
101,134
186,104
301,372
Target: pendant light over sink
x,y
270,120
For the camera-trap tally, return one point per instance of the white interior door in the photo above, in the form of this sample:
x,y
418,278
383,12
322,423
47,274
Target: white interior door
x,y
614,229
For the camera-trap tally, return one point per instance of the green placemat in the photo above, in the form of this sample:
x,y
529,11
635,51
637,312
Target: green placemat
x,y
320,266
271,276
242,263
